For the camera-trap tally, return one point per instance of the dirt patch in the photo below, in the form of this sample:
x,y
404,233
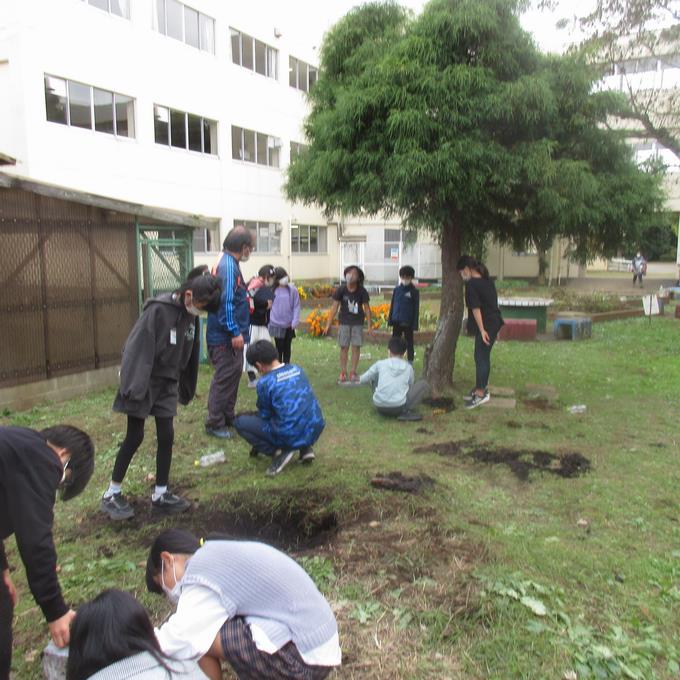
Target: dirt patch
x,y
423,430
520,462
440,403
540,404
396,481
514,425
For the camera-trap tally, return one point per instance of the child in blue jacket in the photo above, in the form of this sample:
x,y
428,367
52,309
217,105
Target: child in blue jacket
x,y
405,309
290,417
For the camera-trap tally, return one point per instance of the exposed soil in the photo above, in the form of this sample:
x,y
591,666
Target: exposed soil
x,y
396,481
521,463
423,430
540,404
441,403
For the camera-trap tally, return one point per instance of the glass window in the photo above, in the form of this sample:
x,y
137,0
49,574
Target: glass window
x,y
249,146
191,27
174,16
246,51
79,97
177,129
55,100
160,15
236,142
121,8
314,239
125,115
273,147
313,75
252,228
261,57
304,239
272,63
292,71
302,76
235,47
208,146
195,126
161,123
101,4
103,111
323,239
207,33
295,239
261,148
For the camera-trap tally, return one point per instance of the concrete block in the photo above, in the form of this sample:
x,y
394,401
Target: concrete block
x,y
501,391
504,403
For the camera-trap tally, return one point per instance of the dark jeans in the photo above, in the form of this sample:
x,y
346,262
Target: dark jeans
x,y
228,363
284,345
251,428
483,360
636,277
6,613
417,392
165,434
407,331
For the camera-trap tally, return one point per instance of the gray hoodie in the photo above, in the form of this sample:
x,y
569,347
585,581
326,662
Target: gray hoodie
x,y
391,379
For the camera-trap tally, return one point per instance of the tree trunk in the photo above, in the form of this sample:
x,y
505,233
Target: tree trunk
x,y
542,265
440,355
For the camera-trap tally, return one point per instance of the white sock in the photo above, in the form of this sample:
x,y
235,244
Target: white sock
x,y
114,487
158,492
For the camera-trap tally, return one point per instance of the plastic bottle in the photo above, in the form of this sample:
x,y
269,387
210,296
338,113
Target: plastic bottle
x,y
211,459
578,408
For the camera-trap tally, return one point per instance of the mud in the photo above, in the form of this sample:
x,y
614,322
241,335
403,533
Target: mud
x,y
441,403
396,481
540,404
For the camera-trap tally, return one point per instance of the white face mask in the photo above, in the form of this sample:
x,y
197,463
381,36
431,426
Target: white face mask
x,y
245,255
284,281
171,593
194,310
405,282
349,278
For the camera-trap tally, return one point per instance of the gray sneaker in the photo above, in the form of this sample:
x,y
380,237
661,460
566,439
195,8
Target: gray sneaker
x,y
116,507
280,461
477,400
170,504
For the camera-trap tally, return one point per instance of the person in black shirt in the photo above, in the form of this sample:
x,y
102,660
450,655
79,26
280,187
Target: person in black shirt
x,y
33,466
260,297
484,321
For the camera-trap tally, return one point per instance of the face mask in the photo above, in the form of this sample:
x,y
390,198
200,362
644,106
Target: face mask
x,y
406,282
245,255
349,279
171,593
284,281
194,310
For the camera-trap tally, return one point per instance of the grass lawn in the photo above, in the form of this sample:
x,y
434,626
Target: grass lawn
x,y
482,575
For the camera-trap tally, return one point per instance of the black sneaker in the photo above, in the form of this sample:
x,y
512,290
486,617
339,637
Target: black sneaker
x,y
280,461
170,504
477,400
254,453
409,416
307,455
116,507
219,432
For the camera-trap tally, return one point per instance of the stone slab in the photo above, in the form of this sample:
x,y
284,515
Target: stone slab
x,y
504,403
501,391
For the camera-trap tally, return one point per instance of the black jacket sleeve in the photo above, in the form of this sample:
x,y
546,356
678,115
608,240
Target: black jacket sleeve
x,y
416,308
30,499
138,357
188,378
390,322
3,558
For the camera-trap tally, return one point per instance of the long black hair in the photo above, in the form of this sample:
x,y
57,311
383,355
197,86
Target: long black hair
x,y
80,464
112,627
205,288
360,273
469,261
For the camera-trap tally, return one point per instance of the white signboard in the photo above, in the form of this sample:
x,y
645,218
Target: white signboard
x,y
394,254
651,305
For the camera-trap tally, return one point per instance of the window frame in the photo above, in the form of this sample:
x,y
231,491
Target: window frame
x,y
271,142
268,52
202,122
308,68
109,11
321,230
202,16
257,226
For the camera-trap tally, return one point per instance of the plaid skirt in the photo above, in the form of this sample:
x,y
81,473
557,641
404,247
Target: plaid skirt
x,y
249,663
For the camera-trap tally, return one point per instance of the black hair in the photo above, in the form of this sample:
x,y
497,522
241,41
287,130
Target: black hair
x,y
469,261
205,288
397,346
237,239
407,270
262,352
176,541
359,272
112,627
279,273
80,464
266,271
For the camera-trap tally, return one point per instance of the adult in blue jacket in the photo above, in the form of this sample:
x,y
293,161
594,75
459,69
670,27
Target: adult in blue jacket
x,y
228,332
290,417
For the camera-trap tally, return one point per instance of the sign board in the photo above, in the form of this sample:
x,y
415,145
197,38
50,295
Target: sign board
x,y
651,305
394,254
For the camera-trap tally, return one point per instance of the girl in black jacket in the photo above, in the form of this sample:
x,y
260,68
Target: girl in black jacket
x,y
159,368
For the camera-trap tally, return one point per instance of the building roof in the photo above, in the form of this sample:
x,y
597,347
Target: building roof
x,y
153,213
7,160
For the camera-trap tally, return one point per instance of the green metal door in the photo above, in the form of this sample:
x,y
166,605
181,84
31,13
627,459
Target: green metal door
x,y
165,256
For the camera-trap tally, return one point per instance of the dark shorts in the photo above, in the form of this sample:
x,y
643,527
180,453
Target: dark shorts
x,y
160,400
249,663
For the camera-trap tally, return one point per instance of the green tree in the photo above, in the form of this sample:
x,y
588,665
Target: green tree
x,y
442,120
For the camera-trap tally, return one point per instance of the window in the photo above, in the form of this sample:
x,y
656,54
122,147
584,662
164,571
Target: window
x,y
184,130
78,105
254,55
184,23
301,75
266,235
392,239
297,149
206,241
255,147
309,239
120,8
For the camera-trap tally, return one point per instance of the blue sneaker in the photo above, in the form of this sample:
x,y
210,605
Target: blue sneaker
x,y
219,432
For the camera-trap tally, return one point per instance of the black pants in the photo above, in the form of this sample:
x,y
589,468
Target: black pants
x,y
483,360
284,345
134,437
228,363
636,277
407,331
6,614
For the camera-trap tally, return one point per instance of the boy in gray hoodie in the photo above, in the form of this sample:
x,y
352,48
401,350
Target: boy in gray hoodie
x,y
395,391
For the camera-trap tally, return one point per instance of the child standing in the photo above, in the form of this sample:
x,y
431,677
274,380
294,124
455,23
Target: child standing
x,y
285,314
352,299
158,369
290,417
395,392
260,296
405,309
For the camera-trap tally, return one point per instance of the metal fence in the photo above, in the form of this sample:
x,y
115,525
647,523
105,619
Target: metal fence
x,y
68,277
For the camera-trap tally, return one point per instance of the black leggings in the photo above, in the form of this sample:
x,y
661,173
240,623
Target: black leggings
x,y
6,613
134,437
407,332
283,345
